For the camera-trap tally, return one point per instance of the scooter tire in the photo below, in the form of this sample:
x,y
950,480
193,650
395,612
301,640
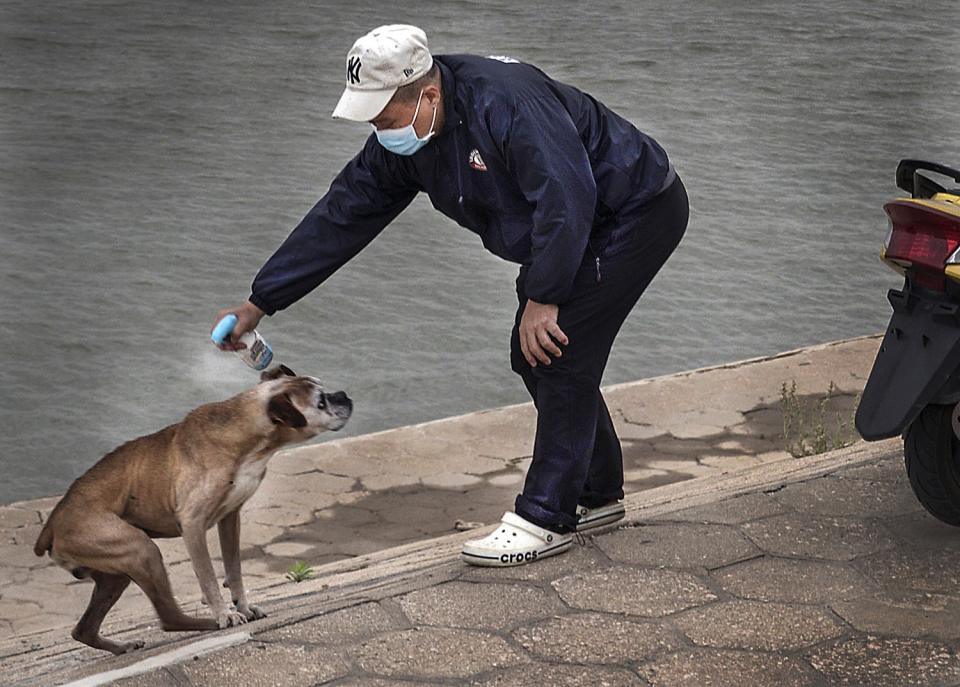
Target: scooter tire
x,y
931,455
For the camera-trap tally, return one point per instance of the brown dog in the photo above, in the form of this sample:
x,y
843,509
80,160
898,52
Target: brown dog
x,y
179,482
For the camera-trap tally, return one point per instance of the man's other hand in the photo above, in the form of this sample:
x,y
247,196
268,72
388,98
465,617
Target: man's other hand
x,y
540,334
248,317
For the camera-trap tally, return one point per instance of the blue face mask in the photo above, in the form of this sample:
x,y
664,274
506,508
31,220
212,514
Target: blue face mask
x,y
404,141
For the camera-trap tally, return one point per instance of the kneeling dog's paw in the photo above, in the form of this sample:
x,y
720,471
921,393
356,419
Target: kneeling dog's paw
x,y
229,619
251,612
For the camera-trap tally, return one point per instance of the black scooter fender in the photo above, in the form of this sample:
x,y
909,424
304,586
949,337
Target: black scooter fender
x,y
916,365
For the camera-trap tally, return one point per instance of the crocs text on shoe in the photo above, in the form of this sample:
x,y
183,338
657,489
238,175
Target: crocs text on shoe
x,y
514,542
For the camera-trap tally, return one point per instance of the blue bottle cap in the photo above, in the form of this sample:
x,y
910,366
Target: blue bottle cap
x,y
223,329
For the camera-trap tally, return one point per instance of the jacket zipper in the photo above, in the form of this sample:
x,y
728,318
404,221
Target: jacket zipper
x,y
458,163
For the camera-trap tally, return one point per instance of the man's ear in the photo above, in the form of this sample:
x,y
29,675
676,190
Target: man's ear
x,y
281,411
276,373
432,93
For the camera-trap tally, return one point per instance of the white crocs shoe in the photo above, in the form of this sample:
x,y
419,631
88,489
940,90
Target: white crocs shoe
x,y
592,518
515,542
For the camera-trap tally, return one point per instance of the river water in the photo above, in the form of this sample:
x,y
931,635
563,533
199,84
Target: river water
x,y
152,156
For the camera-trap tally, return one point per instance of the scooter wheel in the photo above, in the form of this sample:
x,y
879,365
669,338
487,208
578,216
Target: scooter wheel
x,y
931,453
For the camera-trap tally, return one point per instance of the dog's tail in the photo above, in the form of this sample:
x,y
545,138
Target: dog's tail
x,y
44,541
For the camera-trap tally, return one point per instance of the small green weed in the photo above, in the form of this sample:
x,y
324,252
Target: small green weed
x,y
808,428
299,572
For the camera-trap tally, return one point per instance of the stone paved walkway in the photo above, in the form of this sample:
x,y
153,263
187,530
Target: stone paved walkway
x,y
818,571
343,500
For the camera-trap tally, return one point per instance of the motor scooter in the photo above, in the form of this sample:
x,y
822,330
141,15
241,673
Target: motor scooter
x,y
914,386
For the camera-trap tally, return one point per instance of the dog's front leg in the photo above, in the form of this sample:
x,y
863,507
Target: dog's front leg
x,y
195,537
229,531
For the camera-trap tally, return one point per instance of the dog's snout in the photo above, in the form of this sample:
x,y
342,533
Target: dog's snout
x,y
340,398
341,407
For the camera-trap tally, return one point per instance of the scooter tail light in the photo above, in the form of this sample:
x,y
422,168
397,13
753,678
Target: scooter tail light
x,y
898,266
922,238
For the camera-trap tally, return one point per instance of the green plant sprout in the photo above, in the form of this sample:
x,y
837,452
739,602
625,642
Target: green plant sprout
x,y
299,572
806,429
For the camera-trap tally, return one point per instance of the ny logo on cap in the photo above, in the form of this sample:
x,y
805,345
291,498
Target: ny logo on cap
x,y
353,69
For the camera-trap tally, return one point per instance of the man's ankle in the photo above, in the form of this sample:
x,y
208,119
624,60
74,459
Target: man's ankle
x,y
552,526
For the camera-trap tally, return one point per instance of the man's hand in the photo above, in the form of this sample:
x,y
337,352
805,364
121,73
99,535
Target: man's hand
x,y
539,333
248,317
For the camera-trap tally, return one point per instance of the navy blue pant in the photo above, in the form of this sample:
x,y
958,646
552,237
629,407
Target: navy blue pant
x,y
576,453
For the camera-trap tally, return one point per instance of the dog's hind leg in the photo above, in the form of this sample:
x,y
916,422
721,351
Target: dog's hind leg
x,y
150,575
105,594
119,548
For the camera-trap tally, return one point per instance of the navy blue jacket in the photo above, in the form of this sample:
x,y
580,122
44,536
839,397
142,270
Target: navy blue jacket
x,y
537,168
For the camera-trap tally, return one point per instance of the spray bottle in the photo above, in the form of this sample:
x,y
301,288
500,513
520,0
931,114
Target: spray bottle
x,y
257,354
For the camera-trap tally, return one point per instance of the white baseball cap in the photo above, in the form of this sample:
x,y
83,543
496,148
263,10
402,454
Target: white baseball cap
x,y
377,65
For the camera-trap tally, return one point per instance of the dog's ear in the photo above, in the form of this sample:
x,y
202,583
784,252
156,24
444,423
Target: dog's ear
x,y
282,412
276,373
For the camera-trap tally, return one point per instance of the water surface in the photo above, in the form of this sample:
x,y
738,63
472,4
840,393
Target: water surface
x,y
152,156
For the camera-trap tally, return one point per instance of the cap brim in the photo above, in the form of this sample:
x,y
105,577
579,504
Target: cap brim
x,y
362,106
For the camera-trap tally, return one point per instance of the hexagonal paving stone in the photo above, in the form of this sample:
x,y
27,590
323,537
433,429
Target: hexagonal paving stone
x,y
642,474
762,421
43,505
482,606
6,630
160,677
679,545
756,625
904,613
796,581
379,682
850,497
277,516
20,556
932,570
288,549
713,668
15,609
337,627
507,479
730,511
25,535
683,466
435,653
251,534
312,489
887,662
265,665
450,480
649,593
811,536
294,462
17,517
388,480
561,676
923,530
595,638
635,431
